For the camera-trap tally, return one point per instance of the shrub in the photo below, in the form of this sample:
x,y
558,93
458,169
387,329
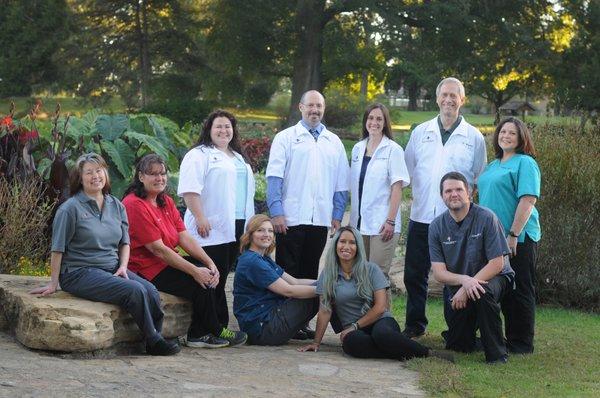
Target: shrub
x,y
257,150
181,110
568,270
23,221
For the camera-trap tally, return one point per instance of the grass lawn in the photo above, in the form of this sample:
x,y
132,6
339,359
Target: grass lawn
x,y
566,362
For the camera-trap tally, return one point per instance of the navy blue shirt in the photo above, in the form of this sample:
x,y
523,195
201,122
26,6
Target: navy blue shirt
x,y
252,300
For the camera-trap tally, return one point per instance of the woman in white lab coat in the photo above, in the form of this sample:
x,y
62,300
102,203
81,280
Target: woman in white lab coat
x,y
217,185
377,175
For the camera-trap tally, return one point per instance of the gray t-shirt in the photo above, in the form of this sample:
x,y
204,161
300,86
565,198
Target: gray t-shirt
x,y
88,237
347,304
468,247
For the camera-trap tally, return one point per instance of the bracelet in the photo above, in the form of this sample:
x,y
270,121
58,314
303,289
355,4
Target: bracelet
x,y
390,222
355,325
513,234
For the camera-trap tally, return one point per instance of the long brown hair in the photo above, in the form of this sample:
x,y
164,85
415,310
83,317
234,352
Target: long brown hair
x,y
387,124
254,223
235,143
525,145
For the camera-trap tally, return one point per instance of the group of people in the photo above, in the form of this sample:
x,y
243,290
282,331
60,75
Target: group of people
x,y
125,252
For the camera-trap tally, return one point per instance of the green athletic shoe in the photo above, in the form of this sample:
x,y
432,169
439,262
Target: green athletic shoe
x,y
234,338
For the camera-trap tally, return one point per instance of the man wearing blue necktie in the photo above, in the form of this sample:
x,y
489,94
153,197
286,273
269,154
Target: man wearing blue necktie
x,y
307,189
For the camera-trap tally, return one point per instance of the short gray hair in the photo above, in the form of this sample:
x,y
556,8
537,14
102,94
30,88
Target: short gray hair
x,y
461,87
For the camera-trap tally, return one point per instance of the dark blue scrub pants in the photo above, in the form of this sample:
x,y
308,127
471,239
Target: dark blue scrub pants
x,y
286,319
416,276
136,295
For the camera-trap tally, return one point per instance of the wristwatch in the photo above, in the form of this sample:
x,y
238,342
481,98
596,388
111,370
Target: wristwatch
x,y
512,233
355,325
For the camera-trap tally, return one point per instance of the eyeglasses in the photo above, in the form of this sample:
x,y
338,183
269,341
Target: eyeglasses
x,y
161,174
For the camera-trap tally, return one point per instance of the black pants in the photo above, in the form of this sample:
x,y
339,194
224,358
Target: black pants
x,y
382,339
136,295
224,256
299,250
204,313
518,305
483,314
416,276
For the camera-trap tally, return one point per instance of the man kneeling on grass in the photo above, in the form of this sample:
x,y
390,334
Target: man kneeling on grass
x,y
469,254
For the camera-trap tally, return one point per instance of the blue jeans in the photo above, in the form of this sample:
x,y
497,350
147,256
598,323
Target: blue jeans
x,y
136,295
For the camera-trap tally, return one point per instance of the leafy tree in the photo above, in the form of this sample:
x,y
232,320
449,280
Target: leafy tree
x,y
577,74
123,47
30,34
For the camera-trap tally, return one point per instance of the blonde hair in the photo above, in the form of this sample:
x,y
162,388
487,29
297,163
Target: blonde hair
x,y
252,226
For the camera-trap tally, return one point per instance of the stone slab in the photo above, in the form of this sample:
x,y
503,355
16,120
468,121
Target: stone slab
x,y
62,322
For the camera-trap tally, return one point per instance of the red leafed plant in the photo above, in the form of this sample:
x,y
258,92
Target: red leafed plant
x,y
16,144
257,150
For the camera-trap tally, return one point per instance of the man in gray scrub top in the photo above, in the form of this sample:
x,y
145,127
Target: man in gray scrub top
x,y
469,254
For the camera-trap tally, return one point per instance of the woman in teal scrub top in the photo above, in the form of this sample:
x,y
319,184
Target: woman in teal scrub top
x,y
510,187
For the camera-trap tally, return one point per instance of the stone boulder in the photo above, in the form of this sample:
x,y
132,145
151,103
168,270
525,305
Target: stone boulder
x,y
397,279
62,322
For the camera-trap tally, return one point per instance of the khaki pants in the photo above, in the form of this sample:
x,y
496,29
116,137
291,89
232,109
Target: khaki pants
x,y
380,252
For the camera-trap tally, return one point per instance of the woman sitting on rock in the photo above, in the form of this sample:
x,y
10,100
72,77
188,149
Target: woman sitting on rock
x,y
269,304
356,290
90,252
156,230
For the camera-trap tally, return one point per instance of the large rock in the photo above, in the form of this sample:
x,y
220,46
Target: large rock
x,y
397,279
62,322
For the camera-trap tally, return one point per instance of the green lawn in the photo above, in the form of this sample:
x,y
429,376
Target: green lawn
x,y
566,362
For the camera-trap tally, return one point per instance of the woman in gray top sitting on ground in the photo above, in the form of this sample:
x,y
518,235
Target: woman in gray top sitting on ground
x,y
90,251
356,290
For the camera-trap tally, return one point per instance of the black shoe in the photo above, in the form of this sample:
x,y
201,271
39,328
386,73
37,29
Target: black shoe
x,y
441,354
412,334
500,361
162,348
310,334
300,335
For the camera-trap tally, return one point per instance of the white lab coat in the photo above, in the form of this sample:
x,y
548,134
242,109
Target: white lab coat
x,y
427,160
212,174
386,167
312,172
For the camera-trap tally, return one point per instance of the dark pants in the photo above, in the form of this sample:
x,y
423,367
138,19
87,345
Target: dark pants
x,y
382,339
483,314
416,276
204,313
224,256
299,250
286,319
518,306
136,295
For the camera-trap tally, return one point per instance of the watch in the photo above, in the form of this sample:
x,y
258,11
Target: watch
x,y
512,233
355,325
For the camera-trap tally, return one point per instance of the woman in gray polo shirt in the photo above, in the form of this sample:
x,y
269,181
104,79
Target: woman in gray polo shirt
x,y
356,290
90,251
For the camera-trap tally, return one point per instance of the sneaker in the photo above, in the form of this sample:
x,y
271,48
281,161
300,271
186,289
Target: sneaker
x,y
499,361
163,348
234,338
208,341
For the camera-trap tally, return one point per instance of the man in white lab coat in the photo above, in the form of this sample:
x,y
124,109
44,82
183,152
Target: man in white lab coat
x,y
441,145
307,184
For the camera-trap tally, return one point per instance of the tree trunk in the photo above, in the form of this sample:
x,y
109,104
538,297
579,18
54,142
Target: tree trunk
x,y
307,73
141,24
413,95
364,85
